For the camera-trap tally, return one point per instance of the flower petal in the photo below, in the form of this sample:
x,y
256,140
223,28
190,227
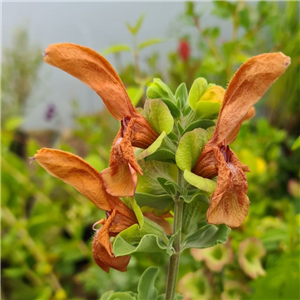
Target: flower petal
x,y
161,221
229,204
120,178
233,134
142,134
102,249
78,173
120,181
248,85
94,70
75,171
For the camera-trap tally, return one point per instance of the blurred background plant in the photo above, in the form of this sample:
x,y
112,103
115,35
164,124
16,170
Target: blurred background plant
x,y
46,225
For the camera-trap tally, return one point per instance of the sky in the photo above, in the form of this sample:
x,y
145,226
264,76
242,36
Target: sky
x,y
97,25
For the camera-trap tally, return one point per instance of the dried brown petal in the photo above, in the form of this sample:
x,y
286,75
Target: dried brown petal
x,y
120,179
247,86
76,172
94,70
102,249
142,135
229,204
161,221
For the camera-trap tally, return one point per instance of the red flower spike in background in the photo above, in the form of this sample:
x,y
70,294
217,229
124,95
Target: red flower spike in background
x,y
120,178
229,204
184,49
76,172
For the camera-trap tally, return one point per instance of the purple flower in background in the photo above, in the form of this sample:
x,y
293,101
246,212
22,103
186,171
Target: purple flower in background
x,y
50,112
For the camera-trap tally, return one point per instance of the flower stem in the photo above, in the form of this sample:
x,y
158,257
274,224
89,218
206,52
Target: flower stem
x,y
174,259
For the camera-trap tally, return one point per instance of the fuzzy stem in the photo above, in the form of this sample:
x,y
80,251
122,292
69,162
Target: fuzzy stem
x,y
174,259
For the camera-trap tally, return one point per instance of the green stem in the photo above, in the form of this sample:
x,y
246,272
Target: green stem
x,y
174,259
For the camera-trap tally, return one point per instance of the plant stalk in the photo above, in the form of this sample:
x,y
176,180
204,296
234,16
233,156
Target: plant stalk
x,y
175,258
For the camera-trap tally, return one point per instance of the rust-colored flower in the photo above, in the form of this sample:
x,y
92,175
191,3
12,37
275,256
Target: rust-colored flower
x,y
229,204
76,172
90,67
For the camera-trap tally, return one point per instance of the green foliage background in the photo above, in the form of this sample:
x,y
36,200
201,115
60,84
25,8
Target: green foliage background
x,y
46,225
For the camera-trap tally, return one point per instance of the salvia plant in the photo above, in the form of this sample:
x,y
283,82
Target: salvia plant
x,y
173,182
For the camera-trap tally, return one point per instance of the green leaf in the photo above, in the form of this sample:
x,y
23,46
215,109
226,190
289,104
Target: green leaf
x,y
147,183
161,150
198,88
149,42
136,28
194,215
208,110
181,95
121,296
95,161
205,123
157,89
207,236
296,144
209,104
135,94
13,123
190,147
137,210
158,115
244,18
106,295
146,289
159,202
203,184
152,148
116,49
150,238
177,297
172,107
169,186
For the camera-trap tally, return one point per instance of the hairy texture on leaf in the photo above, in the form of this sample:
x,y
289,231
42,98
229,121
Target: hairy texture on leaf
x,y
94,70
229,204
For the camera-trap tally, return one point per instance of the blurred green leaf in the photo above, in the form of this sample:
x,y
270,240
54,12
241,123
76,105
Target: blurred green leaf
x,y
116,49
149,42
136,28
135,94
12,123
296,144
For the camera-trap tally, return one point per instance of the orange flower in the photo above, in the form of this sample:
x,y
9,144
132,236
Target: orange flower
x,y
76,172
229,204
120,178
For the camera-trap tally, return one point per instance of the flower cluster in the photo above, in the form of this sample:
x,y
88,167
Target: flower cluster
x,y
176,148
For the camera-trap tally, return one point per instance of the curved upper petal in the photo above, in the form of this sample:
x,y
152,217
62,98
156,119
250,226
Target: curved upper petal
x,y
94,70
78,173
248,85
